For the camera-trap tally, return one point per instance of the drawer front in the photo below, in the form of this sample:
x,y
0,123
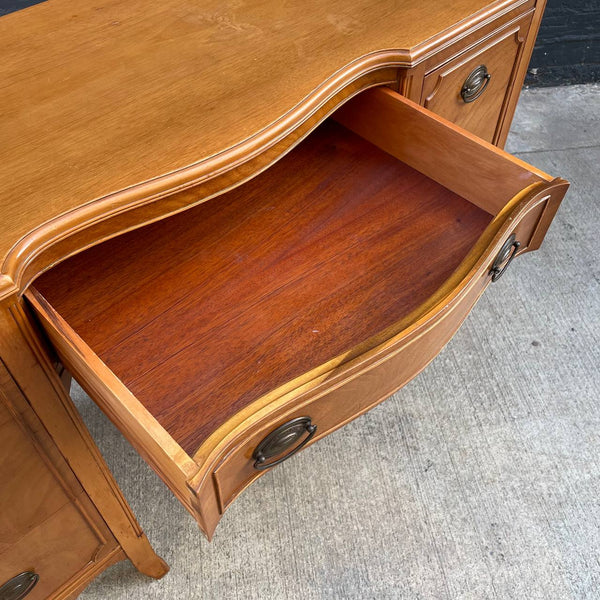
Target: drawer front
x,y
30,494
471,90
59,552
344,403
362,390
48,526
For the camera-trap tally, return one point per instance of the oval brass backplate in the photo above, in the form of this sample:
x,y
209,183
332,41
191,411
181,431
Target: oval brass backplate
x,y
475,84
282,438
19,586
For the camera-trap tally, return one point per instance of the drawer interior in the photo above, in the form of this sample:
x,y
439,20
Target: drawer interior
x,y
200,314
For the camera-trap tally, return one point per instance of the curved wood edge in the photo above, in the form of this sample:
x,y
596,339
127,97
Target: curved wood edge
x,y
164,196
364,357
187,476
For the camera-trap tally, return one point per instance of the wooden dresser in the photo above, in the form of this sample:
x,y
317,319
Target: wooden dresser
x,y
238,227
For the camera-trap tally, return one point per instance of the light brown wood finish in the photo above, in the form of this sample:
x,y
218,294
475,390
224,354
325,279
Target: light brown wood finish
x,y
506,188
455,158
212,88
118,114
130,313
48,524
412,80
33,377
500,56
334,405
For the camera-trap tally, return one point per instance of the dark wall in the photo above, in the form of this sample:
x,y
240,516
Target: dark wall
x,y
7,6
568,44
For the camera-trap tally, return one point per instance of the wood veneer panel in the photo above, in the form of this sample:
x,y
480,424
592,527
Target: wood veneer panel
x,y
500,57
204,312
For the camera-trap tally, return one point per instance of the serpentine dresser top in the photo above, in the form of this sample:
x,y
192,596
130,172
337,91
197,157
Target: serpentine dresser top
x,y
109,105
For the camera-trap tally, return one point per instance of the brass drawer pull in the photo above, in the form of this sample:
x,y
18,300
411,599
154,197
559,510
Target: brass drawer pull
x,y
507,253
475,84
283,437
19,586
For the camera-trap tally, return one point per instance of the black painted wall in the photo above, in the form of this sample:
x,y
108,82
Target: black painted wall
x,y
568,44
7,6
567,49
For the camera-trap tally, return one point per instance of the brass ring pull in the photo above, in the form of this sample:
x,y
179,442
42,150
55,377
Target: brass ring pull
x,y
475,84
505,257
19,586
283,437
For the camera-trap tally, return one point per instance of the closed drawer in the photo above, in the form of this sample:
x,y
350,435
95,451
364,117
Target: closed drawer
x,y
471,89
48,526
60,551
314,290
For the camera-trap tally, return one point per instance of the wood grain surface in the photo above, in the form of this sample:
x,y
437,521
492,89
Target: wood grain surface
x,y
460,161
29,382
47,523
201,314
500,56
112,103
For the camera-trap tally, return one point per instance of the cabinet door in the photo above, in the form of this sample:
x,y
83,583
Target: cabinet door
x,y
48,526
471,90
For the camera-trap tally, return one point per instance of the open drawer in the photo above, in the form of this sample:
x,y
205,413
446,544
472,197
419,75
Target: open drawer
x,y
223,339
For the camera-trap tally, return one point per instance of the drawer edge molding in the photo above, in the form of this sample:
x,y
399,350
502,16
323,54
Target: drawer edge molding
x,y
124,410
513,11
166,195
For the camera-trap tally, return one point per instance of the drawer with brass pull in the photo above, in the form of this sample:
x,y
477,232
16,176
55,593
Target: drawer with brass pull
x,y
471,88
50,533
364,383
225,339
